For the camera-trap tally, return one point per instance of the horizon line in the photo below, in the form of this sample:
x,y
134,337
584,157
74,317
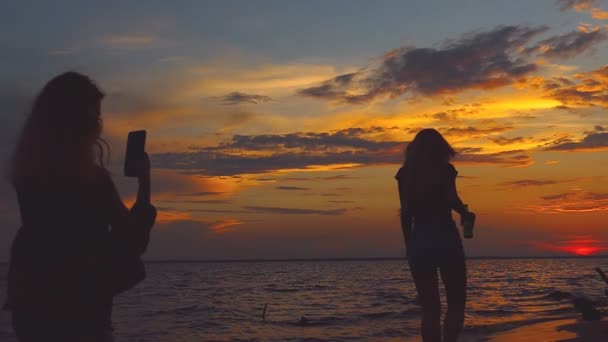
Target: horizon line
x,y
152,261
481,257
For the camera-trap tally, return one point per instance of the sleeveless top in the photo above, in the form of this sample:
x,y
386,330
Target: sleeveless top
x,y
58,267
426,193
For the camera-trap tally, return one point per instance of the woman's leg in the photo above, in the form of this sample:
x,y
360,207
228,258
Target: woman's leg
x,y
454,276
425,277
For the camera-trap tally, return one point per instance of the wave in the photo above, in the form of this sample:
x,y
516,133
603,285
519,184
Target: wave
x,y
391,314
282,290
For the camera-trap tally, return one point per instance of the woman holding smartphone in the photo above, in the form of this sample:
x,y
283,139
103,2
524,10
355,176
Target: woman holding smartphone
x,y
427,192
71,254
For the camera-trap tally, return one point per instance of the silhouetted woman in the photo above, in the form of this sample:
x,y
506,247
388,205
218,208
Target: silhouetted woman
x,y
427,192
76,233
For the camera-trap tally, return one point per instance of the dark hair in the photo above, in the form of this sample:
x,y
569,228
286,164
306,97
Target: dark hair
x,y
429,148
56,145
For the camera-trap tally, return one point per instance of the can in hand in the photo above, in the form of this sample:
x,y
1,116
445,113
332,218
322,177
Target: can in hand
x,y
467,224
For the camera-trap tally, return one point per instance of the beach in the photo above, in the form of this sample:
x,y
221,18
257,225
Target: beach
x,y
357,300
560,330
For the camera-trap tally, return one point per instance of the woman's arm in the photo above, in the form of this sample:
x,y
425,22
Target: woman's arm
x,y
406,224
143,178
132,227
404,212
454,199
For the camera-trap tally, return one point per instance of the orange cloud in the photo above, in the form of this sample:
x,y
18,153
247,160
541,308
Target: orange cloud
x,y
224,225
597,13
164,217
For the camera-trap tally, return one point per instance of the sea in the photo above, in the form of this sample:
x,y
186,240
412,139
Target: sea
x,y
336,300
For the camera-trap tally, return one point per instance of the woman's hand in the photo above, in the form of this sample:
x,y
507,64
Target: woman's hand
x,y
142,168
467,217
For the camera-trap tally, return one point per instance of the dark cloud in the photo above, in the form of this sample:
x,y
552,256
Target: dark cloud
x,y
354,138
296,188
224,164
482,60
514,158
296,211
556,83
572,202
446,117
577,5
315,178
591,89
308,141
556,197
201,193
500,140
252,154
270,152
455,115
592,141
218,211
569,45
276,210
576,96
337,177
524,183
474,131
347,138
236,98
221,164
210,201
563,107
596,196
469,150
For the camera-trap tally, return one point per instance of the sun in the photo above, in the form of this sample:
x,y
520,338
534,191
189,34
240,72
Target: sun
x,y
582,250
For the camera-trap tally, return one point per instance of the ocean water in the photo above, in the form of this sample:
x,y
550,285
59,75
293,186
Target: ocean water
x,y
371,300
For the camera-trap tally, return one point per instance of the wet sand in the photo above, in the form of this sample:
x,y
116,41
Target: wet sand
x,y
568,330
563,330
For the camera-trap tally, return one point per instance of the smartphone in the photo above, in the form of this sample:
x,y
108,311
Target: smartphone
x,y
136,147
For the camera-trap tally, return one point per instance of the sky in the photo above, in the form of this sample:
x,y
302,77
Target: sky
x,y
275,128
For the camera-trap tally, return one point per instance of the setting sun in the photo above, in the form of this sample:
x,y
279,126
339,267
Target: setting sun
x,y
582,250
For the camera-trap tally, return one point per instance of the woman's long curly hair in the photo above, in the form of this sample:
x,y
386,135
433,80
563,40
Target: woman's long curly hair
x,y
427,159
60,143
428,149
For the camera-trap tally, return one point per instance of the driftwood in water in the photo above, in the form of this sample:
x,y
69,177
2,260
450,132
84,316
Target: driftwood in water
x,y
602,274
264,313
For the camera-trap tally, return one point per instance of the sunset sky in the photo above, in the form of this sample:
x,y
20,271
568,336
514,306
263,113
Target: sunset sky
x,y
275,128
